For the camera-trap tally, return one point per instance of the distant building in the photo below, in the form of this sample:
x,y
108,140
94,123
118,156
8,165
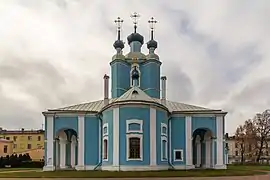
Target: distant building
x,y
6,147
25,141
234,152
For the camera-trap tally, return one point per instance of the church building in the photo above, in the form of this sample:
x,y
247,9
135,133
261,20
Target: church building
x,y
136,128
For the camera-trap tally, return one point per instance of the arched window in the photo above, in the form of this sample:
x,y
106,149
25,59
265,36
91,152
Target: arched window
x,y
134,148
105,149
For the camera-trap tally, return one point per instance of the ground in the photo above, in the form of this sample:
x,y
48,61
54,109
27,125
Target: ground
x,y
254,172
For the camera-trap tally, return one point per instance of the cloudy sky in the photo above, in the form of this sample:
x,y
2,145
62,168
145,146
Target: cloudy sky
x,y
54,53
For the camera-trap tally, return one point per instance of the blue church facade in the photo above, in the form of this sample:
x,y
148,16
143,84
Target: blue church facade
x,y
137,129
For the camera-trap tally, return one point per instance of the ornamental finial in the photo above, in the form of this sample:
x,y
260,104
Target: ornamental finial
x,y
135,16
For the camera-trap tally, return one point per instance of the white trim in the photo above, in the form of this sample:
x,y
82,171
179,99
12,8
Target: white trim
x,y
135,168
105,138
128,136
116,136
170,140
88,167
161,129
105,125
163,138
189,154
130,74
80,138
65,114
134,121
219,140
50,143
153,137
182,155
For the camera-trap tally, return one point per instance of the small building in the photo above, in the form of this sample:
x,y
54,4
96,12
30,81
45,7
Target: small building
x,y
24,141
6,147
137,128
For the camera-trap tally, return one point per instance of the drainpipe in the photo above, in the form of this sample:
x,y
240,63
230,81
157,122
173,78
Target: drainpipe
x,y
100,140
170,144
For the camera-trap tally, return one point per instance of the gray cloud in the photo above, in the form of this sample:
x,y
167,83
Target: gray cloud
x,y
55,53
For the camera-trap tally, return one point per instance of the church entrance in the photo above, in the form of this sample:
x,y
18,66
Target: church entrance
x,y
203,148
65,151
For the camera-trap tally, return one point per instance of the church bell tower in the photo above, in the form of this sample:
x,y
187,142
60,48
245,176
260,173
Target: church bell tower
x,y
145,67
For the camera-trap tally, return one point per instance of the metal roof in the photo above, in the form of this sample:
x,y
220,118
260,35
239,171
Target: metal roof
x,y
96,106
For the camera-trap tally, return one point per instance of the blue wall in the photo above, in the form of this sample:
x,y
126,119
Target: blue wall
x,y
178,128
161,118
150,78
120,77
91,140
108,118
62,123
204,123
127,113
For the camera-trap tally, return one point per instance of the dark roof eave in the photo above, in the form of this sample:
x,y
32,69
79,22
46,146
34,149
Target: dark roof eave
x,y
200,112
51,111
133,101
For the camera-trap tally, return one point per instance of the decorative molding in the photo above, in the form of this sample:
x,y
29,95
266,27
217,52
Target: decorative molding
x,y
163,138
105,138
182,155
134,121
128,136
161,129
130,74
105,125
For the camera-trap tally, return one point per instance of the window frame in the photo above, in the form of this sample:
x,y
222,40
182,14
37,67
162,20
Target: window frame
x,y
174,154
128,136
161,129
105,125
130,74
103,149
166,148
134,121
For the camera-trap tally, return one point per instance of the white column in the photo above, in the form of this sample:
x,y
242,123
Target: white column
x,y
220,151
207,153
50,142
72,153
115,137
189,163
213,153
80,165
57,158
153,138
199,150
63,143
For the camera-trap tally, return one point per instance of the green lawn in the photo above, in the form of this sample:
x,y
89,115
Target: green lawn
x,y
250,167
232,171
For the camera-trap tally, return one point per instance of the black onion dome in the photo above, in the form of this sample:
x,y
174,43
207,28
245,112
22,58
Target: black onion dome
x,y
118,44
135,37
135,74
152,44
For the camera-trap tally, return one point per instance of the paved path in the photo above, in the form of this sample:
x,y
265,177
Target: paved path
x,y
260,177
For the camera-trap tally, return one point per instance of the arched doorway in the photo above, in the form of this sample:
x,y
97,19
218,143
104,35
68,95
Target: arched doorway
x,y
203,148
66,149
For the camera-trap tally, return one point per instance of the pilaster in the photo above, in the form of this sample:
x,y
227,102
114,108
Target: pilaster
x,y
49,164
189,159
81,133
116,137
153,138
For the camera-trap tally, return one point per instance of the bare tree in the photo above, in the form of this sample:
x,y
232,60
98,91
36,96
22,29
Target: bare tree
x,y
262,125
245,137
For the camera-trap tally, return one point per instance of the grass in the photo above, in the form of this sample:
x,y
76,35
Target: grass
x,y
232,171
250,167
